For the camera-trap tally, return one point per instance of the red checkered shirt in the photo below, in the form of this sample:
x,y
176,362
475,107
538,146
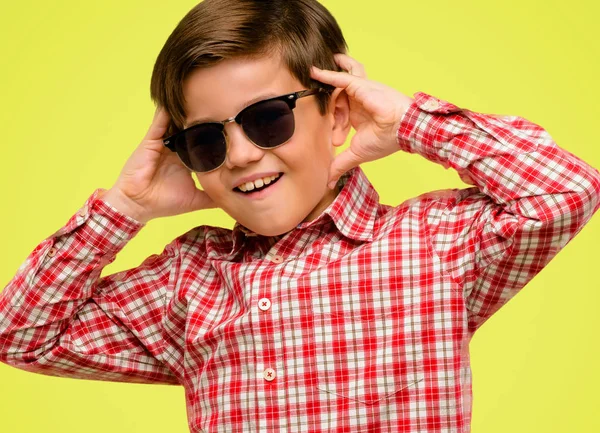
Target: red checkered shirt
x,y
359,320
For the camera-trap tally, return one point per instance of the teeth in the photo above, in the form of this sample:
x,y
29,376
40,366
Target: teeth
x,y
249,186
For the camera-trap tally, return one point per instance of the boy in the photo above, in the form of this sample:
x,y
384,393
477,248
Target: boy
x,y
322,310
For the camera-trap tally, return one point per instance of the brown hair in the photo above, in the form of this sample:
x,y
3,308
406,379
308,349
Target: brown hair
x,y
303,32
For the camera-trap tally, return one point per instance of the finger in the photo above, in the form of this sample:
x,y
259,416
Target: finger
x,y
337,79
351,65
159,124
340,165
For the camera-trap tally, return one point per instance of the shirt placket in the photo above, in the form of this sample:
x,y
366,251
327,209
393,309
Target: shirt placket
x,y
270,365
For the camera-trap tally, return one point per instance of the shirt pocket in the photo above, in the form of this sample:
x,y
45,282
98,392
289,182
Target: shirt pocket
x,y
366,353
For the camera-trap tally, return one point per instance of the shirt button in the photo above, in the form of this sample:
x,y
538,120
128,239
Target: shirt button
x,y
277,259
269,374
82,212
52,252
264,304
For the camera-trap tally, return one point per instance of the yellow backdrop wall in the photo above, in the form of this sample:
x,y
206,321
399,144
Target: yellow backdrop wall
x,y
74,86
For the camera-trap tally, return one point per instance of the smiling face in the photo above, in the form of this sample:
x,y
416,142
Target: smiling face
x,y
300,194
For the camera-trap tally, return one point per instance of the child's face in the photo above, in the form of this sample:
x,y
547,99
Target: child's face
x,y
301,194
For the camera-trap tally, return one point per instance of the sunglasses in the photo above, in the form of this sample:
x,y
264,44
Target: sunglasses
x,y
267,124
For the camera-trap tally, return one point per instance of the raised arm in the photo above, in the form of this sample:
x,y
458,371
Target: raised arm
x,y
59,318
531,197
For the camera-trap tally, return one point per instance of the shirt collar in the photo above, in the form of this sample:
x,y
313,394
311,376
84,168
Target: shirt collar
x,y
353,211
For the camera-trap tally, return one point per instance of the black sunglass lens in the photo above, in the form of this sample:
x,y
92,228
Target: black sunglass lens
x,y
202,148
269,124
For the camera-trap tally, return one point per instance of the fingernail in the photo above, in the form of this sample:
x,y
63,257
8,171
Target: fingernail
x,y
331,184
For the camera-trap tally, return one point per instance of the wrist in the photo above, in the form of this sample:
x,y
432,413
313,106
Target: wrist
x,y
125,205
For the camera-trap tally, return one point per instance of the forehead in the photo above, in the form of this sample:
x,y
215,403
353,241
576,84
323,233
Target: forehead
x,y
221,91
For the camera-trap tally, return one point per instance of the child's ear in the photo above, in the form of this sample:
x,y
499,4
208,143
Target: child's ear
x,y
339,110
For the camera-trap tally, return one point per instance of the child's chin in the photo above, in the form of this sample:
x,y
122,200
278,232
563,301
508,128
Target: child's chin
x,y
273,229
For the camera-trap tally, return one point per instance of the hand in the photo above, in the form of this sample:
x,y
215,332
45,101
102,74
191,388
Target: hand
x,y
154,182
375,113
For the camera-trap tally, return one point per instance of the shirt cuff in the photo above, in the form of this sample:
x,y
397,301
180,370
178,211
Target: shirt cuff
x,y
420,119
101,226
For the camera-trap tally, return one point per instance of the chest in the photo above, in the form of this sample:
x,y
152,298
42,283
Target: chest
x,y
324,283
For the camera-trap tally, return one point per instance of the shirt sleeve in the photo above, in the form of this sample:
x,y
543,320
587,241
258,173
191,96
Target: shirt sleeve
x,y
59,318
530,198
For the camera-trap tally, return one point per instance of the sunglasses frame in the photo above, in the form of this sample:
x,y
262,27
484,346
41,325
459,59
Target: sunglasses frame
x,y
289,98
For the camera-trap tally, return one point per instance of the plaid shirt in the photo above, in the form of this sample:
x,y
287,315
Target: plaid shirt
x,y
359,320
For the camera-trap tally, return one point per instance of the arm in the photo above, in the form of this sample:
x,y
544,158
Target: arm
x,y
530,198
59,318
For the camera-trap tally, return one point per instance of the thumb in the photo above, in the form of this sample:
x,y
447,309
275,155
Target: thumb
x,y
341,164
159,126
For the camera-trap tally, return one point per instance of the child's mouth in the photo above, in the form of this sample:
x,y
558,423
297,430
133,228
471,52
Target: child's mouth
x,y
260,191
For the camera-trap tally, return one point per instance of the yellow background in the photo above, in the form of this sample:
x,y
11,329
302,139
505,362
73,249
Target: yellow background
x,y
74,86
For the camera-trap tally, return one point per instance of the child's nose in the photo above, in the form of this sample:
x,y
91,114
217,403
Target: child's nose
x,y
242,151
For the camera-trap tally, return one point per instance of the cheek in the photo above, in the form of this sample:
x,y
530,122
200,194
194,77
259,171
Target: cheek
x,y
211,185
314,142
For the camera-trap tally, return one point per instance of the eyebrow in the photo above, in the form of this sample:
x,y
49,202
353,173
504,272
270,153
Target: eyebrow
x,y
246,104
